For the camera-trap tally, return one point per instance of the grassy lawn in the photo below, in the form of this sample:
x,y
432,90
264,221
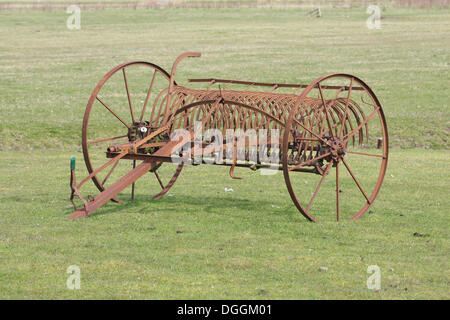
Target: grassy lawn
x,y
200,241
250,243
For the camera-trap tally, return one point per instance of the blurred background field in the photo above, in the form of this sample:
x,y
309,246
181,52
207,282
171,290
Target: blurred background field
x,y
48,71
238,3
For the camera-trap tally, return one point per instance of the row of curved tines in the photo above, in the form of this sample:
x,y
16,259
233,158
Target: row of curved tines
x,y
224,109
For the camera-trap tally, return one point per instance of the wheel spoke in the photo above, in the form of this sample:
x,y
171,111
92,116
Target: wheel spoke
x,y
356,181
93,173
109,173
148,96
128,94
102,175
346,108
318,186
366,154
109,109
325,110
309,161
106,139
335,118
310,131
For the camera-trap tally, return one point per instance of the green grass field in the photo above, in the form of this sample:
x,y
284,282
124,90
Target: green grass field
x,y
200,241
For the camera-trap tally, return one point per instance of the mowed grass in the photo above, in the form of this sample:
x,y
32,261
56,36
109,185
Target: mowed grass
x,y
200,241
203,242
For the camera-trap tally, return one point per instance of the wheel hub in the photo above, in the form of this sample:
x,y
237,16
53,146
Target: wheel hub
x,y
337,149
138,130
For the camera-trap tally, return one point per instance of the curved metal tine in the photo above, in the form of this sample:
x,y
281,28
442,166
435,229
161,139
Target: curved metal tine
x,y
309,146
363,116
299,87
303,146
335,114
350,124
170,183
338,92
133,184
176,104
163,106
356,181
210,83
333,118
370,104
346,107
148,95
325,109
303,142
338,215
186,122
348,136
342,120
313,123
348,120
128,94
172,80
109,109
155,106
318,186
321,122
159,179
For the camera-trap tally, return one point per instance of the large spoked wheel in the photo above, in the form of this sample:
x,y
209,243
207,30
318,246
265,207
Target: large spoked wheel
x,y
338,131
123,105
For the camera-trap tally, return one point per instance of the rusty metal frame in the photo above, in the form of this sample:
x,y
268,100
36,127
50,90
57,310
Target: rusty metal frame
x,y
315,128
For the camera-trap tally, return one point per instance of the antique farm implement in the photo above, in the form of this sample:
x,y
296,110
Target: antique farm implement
x,y
140,120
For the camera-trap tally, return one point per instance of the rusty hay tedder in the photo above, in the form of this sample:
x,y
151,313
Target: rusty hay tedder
x,y
321,129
